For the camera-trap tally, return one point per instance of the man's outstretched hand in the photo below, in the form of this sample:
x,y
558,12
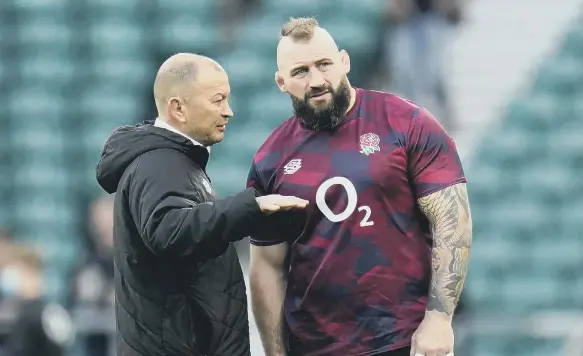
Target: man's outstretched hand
x,y
270,204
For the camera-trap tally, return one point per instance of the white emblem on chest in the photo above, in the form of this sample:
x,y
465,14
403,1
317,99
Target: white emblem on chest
x,y
292,166
369,144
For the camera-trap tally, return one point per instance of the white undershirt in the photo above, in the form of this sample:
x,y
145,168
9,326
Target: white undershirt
x,y
164,125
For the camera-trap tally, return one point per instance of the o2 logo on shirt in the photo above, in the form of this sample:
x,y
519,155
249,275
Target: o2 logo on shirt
x,y
350,207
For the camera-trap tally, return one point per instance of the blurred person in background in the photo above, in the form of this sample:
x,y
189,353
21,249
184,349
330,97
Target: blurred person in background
x,y
5,235
40,328
419,35
383,279
178,282
232,14
92,284
6,242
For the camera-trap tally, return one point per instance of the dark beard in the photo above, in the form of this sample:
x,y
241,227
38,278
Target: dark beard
x,y
327,118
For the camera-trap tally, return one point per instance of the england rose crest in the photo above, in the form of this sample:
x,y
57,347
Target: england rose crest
x,y
369,143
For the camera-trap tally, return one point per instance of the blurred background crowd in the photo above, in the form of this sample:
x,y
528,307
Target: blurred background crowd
x,y
504,77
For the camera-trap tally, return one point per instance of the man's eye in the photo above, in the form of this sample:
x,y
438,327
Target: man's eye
x,y
300,71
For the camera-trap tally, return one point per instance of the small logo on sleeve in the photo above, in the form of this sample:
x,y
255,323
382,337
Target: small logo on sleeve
x,y
369,143
292,166
207,186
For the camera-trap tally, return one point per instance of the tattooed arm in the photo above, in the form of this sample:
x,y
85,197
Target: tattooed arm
x,y
448,212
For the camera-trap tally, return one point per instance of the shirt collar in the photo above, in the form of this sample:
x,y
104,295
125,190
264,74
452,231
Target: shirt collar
x,y
164,125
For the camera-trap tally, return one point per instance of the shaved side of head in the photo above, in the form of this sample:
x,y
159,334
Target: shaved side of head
x,y
177,72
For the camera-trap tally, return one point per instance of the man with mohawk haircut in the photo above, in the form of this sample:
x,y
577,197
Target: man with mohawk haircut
x,y
377,264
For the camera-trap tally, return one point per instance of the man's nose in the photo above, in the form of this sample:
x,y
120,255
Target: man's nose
x,y
316,80
227,112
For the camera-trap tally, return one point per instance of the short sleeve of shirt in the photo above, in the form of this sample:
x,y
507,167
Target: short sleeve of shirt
x,y
270,231
434,163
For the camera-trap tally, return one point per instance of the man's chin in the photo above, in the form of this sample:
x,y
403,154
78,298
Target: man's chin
x,y
217,138
317,104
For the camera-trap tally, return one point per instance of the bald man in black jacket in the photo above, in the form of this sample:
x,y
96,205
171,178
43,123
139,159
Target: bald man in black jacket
x,y
178,282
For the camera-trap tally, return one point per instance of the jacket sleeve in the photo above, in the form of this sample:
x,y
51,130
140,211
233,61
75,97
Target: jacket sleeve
x,y
161,201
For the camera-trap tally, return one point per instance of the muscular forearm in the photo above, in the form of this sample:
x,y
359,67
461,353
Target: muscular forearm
x,y
267,295
449,269
450,218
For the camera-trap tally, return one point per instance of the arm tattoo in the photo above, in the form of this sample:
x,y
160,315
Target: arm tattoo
x,y
448,212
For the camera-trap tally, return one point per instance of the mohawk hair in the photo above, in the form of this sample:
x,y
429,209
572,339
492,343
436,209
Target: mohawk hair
x,y
299,28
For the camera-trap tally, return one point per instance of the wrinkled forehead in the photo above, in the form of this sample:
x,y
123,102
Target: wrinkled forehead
x,y
292,54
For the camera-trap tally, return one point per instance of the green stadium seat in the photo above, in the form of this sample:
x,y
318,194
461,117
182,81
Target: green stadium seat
x,y
261,34
240,147
248,144
248,69
270,107
127,74
107,8
40,141
559,253
356,37
84,178
524,292
55,71
47,111
517,212
551,180
7,72
295,8
95,140
187,32
572,45
512,146
116,37
239,105
54,214
46,33
108,103
497,250
526,346
488,345
578,108
537,113
41,5
228,179
202,9
567,146
367,10
479,289
40,173
568,220
487,183
561,76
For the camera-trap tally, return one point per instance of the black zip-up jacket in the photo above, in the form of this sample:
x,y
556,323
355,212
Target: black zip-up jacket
x,y
178,282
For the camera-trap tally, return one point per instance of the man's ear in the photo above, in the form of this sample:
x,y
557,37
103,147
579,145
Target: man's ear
x,y
280,82
176,109
345,60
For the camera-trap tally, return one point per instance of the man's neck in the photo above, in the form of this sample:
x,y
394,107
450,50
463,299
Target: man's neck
x,y
352,99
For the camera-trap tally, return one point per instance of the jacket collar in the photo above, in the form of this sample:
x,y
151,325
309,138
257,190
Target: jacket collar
x,y
164,125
